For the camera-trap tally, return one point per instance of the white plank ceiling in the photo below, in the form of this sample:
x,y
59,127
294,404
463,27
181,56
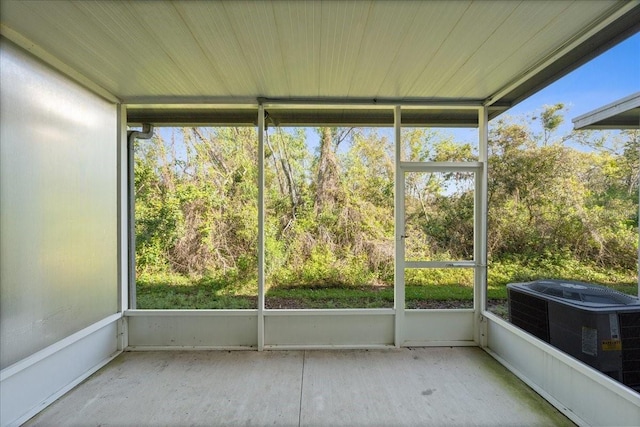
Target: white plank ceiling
x,y
162,52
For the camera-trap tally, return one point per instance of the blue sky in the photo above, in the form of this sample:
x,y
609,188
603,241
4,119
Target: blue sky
x,y
613,75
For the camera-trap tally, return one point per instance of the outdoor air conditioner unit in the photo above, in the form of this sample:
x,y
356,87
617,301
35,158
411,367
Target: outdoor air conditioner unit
x,y
594,324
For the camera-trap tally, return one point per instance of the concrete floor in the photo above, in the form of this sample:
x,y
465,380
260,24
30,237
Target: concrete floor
x,y
397,387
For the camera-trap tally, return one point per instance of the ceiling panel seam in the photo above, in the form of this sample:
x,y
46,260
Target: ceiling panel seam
x,y
403,40
358,55
506,64
256,48
540,30
444,40
168,53
214,68
282,61
489,36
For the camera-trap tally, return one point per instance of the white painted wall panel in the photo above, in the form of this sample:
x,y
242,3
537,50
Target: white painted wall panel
x,y
308,328
433,327
32,384
585,395
58,219
192,328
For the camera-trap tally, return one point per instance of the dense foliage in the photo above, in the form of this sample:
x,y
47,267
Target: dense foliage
x,y
548,200
329,203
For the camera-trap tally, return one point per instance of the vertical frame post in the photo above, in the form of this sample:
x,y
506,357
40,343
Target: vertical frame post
x,y
131,221
122,156
131,136
480,227
399,288
261,278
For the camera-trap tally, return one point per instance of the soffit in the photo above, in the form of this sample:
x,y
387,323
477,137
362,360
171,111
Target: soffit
x,y
621,114
152,52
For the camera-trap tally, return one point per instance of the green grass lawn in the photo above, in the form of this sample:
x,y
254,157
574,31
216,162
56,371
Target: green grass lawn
x,y
173,291
164,291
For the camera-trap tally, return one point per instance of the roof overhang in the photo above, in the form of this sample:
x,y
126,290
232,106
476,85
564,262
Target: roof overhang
x,y
621,114
322,62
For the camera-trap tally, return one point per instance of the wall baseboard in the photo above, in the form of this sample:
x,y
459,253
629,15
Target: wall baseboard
x,y
29,386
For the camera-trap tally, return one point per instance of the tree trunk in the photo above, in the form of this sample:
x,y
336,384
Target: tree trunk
x,y
327,190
